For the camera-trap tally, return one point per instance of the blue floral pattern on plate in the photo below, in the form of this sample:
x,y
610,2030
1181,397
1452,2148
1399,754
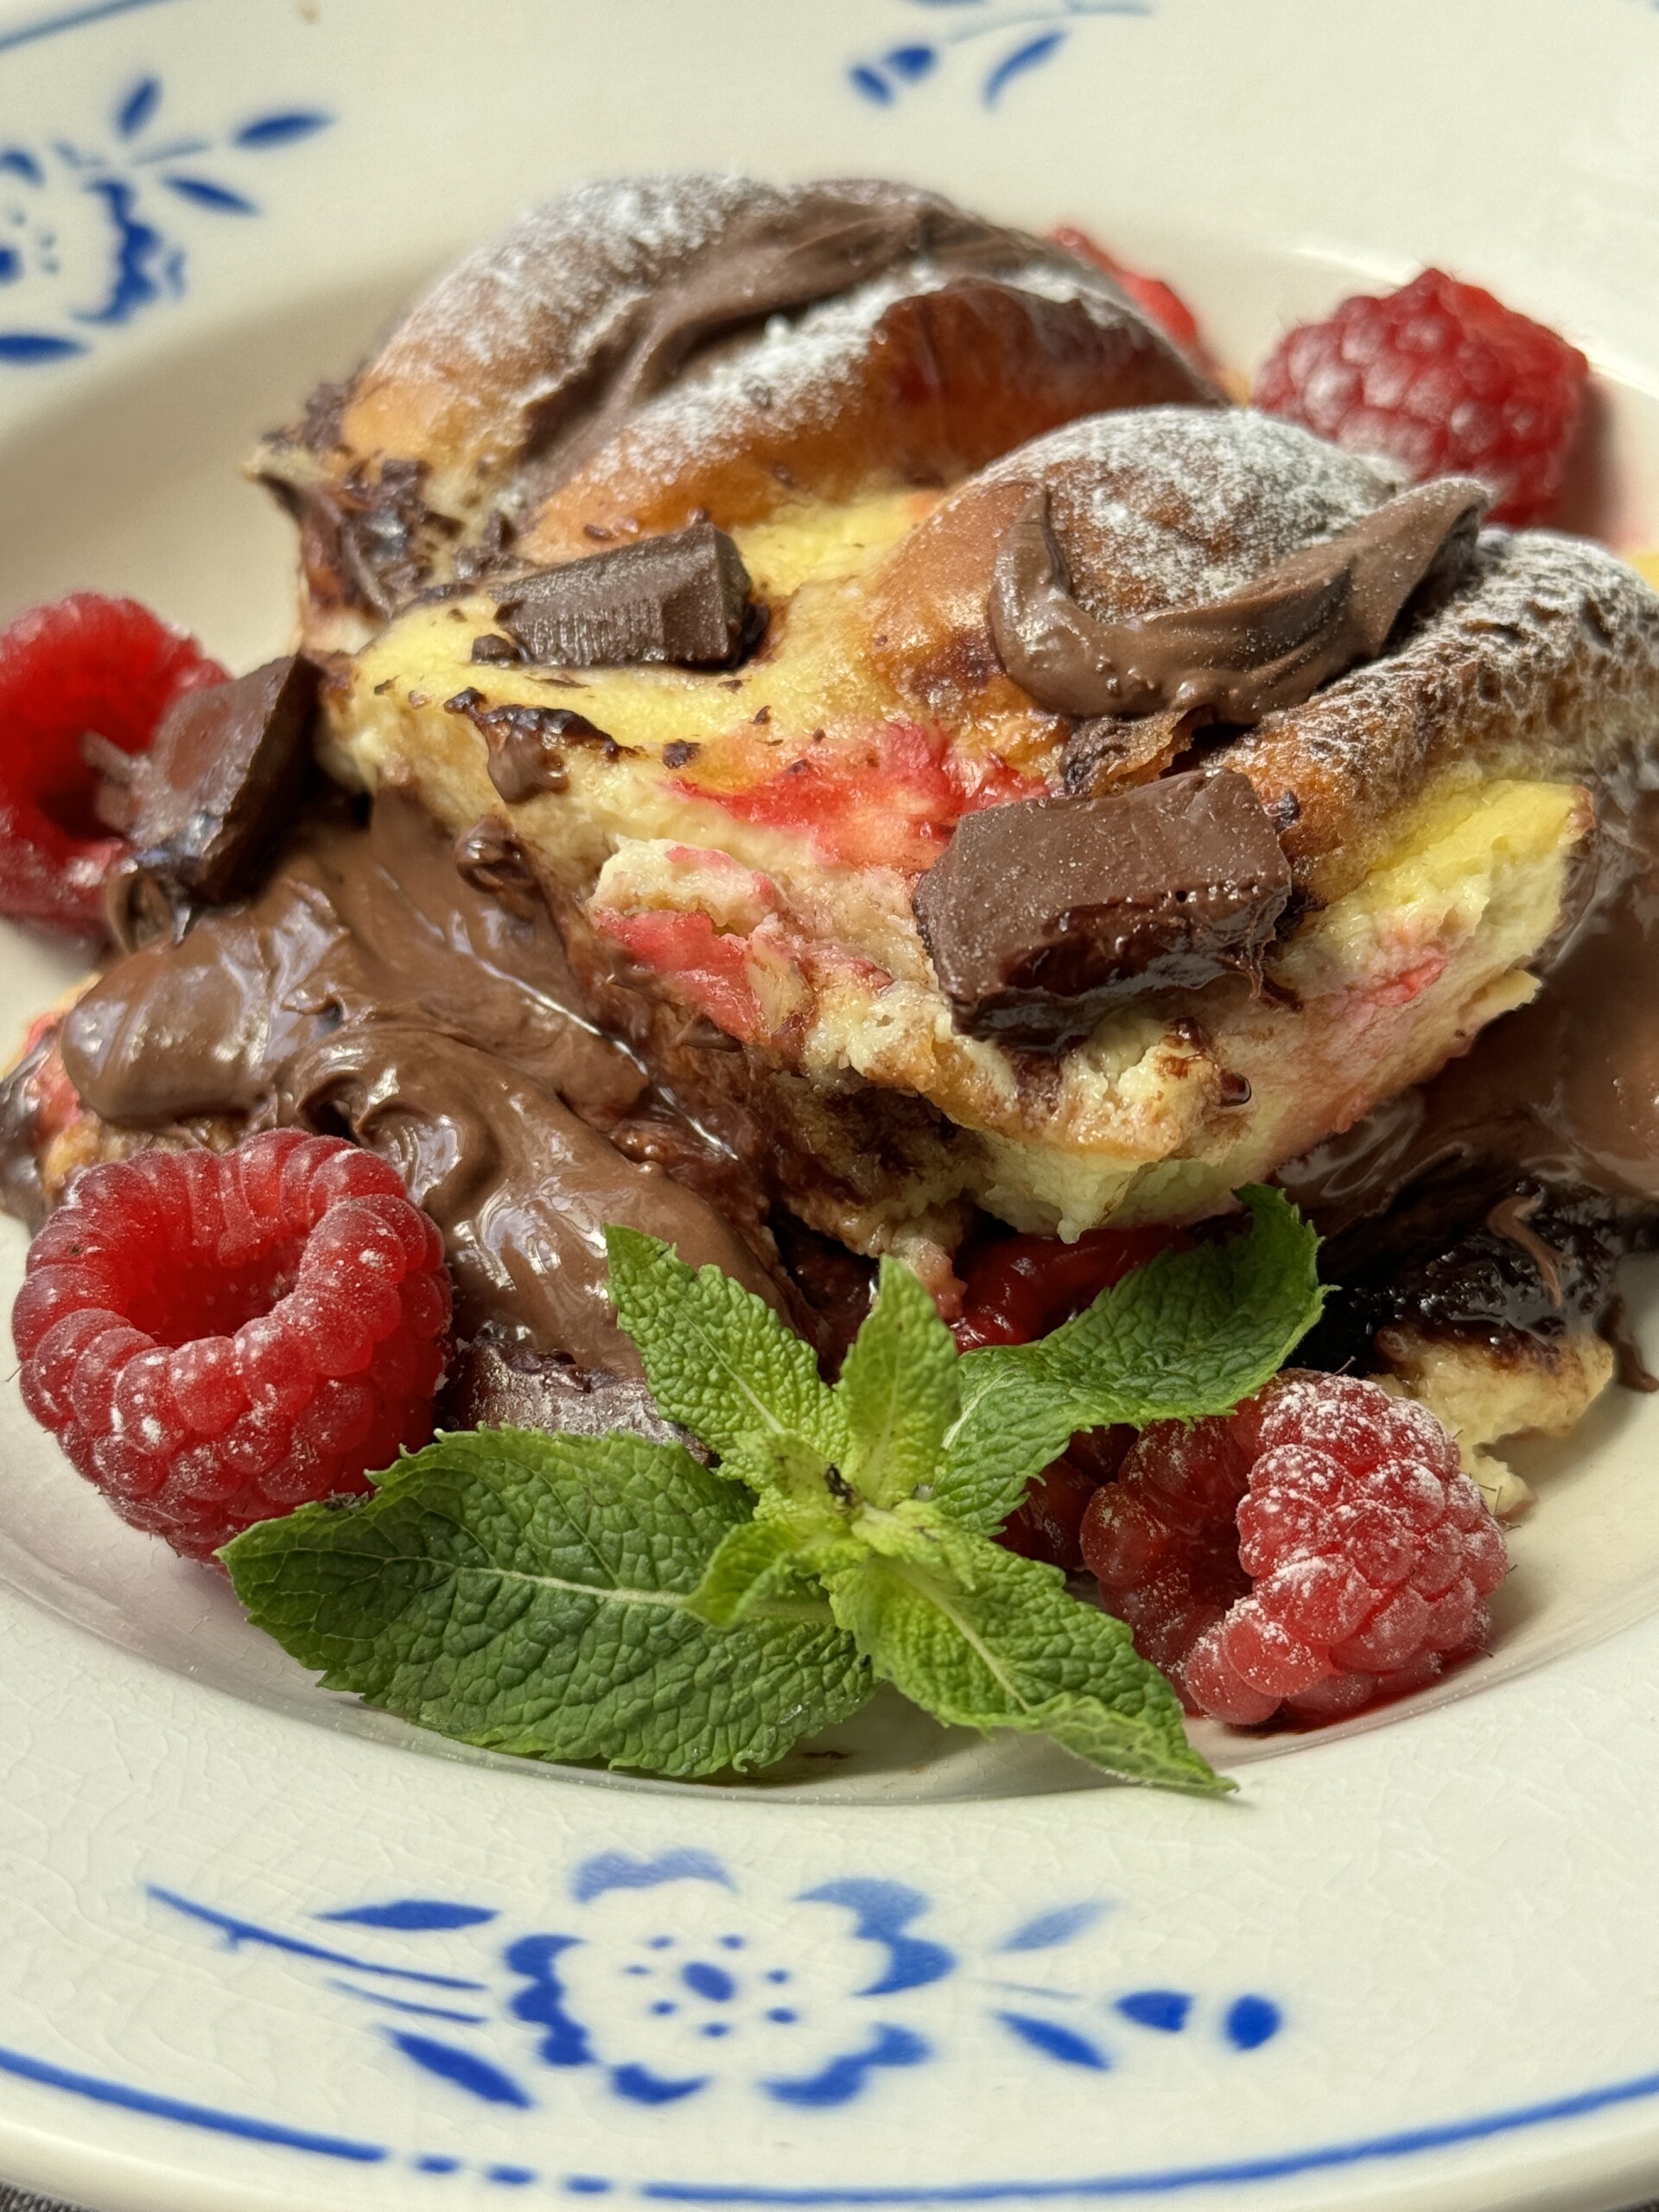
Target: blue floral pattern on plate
x,y
663,1976
1008,42
88,220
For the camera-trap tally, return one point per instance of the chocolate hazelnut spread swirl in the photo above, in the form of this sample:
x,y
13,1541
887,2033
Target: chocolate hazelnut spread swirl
x,y
1269,644
371,989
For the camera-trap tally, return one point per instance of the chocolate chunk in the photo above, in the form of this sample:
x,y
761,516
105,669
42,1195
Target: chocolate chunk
x,y
494,651
1269,644
682,598
491,860
1046,912
526,744
206,805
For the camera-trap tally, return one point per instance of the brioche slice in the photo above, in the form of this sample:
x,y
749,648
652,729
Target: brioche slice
x,y
732,853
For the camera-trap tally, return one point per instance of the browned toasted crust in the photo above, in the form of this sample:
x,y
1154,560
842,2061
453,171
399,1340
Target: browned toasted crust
x,y
561,378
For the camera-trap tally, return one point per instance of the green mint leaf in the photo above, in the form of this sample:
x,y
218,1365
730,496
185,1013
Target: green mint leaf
x,y
988,1640
899,1389
721,1362
532,1593
1187,1335
771,1563
1192,1333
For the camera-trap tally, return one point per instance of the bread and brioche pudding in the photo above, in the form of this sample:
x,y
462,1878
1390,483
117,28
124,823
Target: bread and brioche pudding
x,y
839,738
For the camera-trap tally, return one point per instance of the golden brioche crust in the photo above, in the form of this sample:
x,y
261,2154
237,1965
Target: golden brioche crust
x,y
633,350
1544,661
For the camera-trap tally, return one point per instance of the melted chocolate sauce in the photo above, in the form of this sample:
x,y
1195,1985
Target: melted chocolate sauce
x,y
1555,1106
371,988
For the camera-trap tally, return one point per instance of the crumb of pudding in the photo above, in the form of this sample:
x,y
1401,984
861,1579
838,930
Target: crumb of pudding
x,y
1526,1385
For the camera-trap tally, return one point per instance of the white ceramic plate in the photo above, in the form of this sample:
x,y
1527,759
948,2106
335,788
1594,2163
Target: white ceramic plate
x,y
257,1946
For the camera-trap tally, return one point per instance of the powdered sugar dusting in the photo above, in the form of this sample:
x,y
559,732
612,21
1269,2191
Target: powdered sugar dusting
x,y
797,371
557,285
1168,507
1546,661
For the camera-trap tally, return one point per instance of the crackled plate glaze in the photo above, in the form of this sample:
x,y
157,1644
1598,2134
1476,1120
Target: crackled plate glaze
x,y
258,1946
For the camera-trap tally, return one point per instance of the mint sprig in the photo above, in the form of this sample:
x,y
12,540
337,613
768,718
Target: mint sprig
x,y
1188,1335
532,1593
615,1600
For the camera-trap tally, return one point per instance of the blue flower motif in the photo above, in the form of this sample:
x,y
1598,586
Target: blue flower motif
x,y
1039,34
660,1983
85,236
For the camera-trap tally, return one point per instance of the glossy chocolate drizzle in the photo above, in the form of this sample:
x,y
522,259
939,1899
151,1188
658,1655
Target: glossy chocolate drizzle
x,y
1269,644
373,989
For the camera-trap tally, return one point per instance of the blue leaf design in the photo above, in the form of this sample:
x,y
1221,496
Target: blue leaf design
x,y
450,2063
27,346
873,85
412,1914
840,2082
1063,1925
1163,2009
641,2086
910,62
620,1870
17,161
281,130
882,1911
136,109
1252,2021
203,194
1065,2044
1031,55
404,2005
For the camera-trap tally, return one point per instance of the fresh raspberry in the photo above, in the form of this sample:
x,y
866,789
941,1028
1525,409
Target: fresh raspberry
x,y
1022,1286
1316,1551
82,665
1047,1523
215,1339
1444,378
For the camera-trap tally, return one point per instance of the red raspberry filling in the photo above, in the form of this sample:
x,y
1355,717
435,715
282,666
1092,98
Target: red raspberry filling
x,y
1318,1550
82,664
215,1339
1444,379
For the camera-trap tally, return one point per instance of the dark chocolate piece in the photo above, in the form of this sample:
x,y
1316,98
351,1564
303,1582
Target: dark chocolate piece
x,y
526,744
681,599
494,651
1044,914
206,806
1269,644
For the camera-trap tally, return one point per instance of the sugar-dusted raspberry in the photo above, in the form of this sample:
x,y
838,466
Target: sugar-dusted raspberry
x,y
215,1339
1047,1524
1316,1551
1444,378
81,666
